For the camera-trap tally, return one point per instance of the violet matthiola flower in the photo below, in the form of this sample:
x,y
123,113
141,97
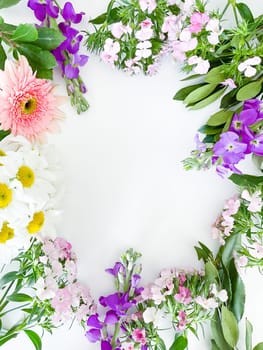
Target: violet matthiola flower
x,y
105,345
118,302
111,317
254,142
93,321
42,9
93,335
252,104
230,148
244,119
69,14
117,268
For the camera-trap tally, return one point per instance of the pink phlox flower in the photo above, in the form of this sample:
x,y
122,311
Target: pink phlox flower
x,y
50,250
229,82
128,346
110,51
221,295
82,312
171,26
184,296
147,294
182,321
71,268
187,42
247,66
157,295
148,5
143,49
254,199
257,252
62,300
118,29
153,69
56,268
28,104
177,51
146,31
240,261
207,304
46,288
64,247
198,20
202,66
139,336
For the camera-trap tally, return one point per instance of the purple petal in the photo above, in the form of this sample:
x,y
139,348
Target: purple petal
x,y
52,10
93,335
80,60
69,13
105,345
116,269
93,321
111,317
135,280
71,72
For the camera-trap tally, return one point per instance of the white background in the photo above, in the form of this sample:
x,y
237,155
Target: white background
x,y
125,185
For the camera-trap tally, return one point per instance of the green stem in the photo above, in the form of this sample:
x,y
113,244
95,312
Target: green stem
x,y
6,292
14,308
224,10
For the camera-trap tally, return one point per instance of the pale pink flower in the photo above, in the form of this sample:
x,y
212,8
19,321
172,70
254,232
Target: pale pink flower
x,y
255,201
182,321
46,288
247,68
28,104
229,82
157,296
207,304
242,261
221,295
153,69
214,28
170,24
110,51
62,300
187,42
139,336
118,29
149,5
143,49
258,250
202,66
146,32
146,294
198,20
128,346
71,268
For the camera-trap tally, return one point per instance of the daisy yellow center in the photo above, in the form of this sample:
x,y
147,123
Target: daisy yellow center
x,y
26,176
2,153
37,223
6,233
5,195
29,106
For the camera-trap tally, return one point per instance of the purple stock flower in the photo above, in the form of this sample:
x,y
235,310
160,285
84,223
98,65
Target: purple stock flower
x,y
93,335
105,345
117,302
252,104
111,317
93,321
244,119
118,267
254,142
230,148
72,42
69,14
42,9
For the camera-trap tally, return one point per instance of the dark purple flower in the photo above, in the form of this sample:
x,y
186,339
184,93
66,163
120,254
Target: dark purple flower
x,y
105,345
229,148
70,71
41,10
252,104
70,15
117,302
93,335
111,317
254,142
93,321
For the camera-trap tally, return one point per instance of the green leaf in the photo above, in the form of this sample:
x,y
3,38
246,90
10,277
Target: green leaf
x,y
174,9
259,346
229,327
199,93
39,58
211,273
249,330
246,180
19,297
184,92
8,277
214,346
180,343
35,338
8,3
249,91
99,20
49,38
2,57
25,33
217,333
210,99
5,338
4,133
203,253
238,298
245,12
210,130
219,118
229,99
191,77
232,244
215,75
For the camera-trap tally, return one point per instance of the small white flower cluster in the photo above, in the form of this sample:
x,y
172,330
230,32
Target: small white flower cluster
x,y
28,194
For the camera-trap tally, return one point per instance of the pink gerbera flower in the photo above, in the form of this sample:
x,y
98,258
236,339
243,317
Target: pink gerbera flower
x,y
28,105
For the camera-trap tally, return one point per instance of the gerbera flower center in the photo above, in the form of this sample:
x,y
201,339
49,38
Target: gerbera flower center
x,y
29,106
37,223
5,195
6,233
26,176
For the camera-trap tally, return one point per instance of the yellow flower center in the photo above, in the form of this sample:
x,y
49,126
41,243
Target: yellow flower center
x,y
5,195
2,153
29,106
26,176
37,223
6,233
